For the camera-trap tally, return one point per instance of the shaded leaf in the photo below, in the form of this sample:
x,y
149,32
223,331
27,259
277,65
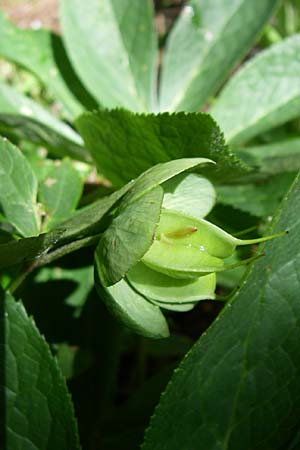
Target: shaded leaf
x,y
113,48
261,199
263,94
39,412
83,277
24,128
273,158
18,190
15,252
203,46
87,221
14,103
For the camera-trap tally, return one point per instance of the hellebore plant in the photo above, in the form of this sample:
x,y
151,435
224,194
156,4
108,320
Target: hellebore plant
x,y
178,269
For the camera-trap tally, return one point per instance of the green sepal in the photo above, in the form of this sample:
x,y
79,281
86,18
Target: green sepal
x,y
164,289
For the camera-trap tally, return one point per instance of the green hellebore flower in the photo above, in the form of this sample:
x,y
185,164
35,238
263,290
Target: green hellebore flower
x,y
180,266
159,252
185,247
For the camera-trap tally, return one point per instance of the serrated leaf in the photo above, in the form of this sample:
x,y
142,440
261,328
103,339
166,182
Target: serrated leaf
x,y
189,194
37,51
133,310
203,46
260,199
18,190
128,237
263,94
39,413
145,140
60,194
113,47
14,103
239,385
24,128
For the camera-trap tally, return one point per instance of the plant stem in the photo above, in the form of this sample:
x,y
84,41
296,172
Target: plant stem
x,y
50,257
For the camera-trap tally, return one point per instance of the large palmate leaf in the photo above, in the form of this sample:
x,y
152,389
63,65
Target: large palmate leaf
x,y
239,385
208,38
113,47
18,190
145,140
35,50
263,94
39,413
60,193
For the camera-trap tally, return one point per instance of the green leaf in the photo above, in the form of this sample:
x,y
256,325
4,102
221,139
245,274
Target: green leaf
x,y
273,158
38,409
161,173
60,194
35,50
145,140
260,200
87,221
18,190
128,237
113,47
238,388
83,277
133,310
203,46
189,194
31,130
15,252
12,102
263,94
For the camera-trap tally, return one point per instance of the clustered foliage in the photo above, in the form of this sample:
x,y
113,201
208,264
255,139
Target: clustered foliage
x,y
121,210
